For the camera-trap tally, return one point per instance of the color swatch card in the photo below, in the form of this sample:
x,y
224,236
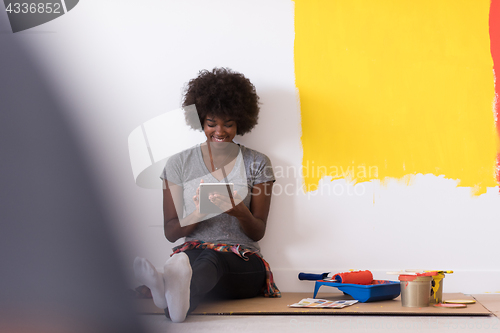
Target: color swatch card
x,y
322,303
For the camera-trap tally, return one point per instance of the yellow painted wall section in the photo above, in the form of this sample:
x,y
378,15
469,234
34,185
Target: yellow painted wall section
x,y
394,88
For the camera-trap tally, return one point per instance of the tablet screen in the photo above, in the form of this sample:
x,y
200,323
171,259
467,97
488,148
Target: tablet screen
x,y
206,206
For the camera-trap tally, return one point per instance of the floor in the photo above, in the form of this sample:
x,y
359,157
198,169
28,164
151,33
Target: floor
x,y
304,324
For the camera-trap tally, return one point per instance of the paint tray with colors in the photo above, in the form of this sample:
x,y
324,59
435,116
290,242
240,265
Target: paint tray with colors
x,y
379,290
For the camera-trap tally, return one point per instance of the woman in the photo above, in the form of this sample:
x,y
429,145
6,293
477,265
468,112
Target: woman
x,y
220,256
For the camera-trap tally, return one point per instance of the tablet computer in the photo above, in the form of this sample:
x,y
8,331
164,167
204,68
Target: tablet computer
x,y
206,206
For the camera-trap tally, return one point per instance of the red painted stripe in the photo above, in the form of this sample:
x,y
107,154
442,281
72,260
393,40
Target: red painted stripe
x,y
495,54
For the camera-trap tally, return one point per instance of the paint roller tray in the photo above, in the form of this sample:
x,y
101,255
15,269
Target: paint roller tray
x,y
379,290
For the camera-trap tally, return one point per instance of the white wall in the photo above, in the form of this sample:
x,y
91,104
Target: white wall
x,y
116,64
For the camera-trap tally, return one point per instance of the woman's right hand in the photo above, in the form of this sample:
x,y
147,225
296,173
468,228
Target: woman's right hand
x,y
175,227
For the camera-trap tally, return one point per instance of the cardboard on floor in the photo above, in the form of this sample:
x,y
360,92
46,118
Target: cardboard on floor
x,y
490,301
279,306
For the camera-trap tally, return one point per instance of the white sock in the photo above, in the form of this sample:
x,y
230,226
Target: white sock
x,y
147,274
177,273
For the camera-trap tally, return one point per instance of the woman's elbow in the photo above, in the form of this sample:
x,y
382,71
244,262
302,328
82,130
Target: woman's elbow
x,y
256,239
170,235
257,236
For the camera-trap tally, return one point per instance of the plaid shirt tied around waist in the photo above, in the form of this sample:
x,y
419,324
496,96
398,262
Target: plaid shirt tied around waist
x,y
269,290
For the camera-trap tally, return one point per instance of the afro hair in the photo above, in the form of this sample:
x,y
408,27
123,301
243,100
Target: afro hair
x,y
225,94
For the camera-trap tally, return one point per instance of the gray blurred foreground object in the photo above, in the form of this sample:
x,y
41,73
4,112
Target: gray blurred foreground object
x,y
59,269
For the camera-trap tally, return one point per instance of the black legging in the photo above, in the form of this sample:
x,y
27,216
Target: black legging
x,y
224,275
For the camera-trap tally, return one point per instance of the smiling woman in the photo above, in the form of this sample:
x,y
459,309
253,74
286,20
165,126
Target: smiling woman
x,y
221,255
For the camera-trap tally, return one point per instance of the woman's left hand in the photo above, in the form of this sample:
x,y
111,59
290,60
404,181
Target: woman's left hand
x,y
224,203
253,220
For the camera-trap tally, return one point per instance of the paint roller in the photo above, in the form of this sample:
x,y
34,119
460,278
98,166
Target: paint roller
x,y
353,277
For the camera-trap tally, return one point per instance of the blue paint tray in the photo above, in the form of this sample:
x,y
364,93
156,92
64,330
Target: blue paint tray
x,y
379,290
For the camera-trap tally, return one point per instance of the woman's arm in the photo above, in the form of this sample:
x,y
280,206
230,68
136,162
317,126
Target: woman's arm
x,y
173,204
253,220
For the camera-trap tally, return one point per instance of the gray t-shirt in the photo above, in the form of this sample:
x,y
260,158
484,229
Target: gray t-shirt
x,y
187,168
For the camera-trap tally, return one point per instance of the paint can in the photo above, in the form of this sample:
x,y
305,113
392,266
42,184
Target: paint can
x,y
415,290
